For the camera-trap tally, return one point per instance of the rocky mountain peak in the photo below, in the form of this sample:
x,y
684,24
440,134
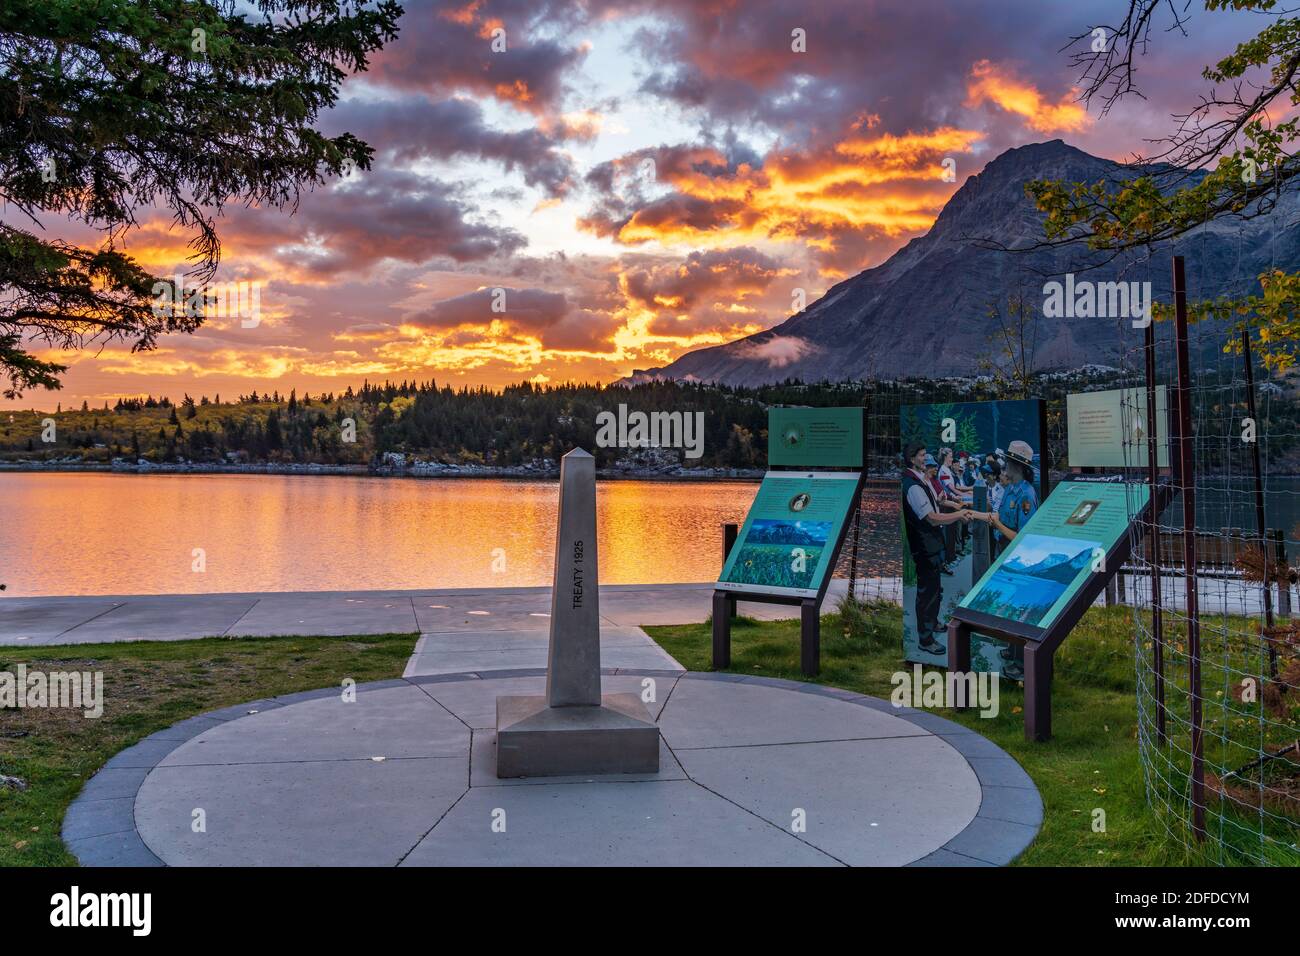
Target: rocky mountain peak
x,y
925,311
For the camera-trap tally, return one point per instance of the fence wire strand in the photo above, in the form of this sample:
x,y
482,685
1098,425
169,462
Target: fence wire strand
x,y
1249,671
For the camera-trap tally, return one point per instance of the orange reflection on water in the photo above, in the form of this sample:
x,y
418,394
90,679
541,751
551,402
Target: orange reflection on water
x,y
83,533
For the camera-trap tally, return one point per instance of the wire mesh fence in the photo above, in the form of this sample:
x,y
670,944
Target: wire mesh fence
x,y
1217,661
1212,586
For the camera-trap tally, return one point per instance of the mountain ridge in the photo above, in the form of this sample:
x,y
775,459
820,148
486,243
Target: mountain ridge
x,y
924,311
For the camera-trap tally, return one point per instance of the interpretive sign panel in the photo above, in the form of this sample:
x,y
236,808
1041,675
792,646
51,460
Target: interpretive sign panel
x,y
787,544
1068,539
814,437
1109,429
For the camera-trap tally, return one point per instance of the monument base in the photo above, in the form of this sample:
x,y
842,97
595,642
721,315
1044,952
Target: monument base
x,y
537,740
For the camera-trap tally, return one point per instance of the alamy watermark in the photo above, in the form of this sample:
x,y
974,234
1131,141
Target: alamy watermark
x,y
651,430
75,908
77,690
978,689
1085,299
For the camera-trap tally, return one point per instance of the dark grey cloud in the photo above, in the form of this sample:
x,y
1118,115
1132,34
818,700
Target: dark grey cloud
x,y
533,309
701,277
379,214
447,48
414,128
906,63
398,215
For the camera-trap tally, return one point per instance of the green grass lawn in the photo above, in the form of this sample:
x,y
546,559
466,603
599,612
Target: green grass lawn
x,y
1092,761
149,685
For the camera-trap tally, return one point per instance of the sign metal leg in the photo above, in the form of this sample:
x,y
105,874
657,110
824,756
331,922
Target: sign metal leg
x,y
1038,693
958,651
810,633
722,604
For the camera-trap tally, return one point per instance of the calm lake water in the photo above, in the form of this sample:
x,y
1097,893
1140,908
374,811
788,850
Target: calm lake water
x,y
89,533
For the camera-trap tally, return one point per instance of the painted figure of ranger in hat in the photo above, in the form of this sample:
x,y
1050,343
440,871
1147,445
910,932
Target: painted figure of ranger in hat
x,y
1019,502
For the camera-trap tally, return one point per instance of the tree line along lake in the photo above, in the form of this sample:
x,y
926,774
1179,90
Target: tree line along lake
x,y
68,533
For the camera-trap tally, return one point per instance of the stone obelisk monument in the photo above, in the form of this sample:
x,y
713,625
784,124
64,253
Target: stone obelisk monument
x,y
575,729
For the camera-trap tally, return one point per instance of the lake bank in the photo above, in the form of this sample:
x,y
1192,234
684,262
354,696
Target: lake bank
x,y
110,619
421,470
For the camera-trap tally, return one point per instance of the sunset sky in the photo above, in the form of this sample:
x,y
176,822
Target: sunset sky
x,y
641,178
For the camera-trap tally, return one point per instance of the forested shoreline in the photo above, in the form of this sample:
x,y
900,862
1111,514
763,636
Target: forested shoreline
x,y
408,427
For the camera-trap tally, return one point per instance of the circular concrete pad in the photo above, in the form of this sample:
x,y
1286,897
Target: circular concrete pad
x,y
752,772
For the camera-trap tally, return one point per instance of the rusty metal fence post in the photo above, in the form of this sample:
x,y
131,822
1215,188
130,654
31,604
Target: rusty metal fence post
x,y
1187,483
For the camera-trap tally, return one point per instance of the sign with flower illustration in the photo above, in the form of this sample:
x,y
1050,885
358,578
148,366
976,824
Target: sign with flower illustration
x,y
788,543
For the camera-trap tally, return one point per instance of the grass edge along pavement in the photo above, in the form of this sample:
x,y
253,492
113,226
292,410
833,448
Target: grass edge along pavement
x,y
1092,761
148,686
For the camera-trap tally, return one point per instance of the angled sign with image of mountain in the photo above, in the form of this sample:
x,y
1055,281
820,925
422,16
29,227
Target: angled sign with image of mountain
x,y
1056,567
1033,576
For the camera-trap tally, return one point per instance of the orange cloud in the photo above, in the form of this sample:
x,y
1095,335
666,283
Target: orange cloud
x,y
367,332
879,184
462,15
641,339
464,349
998,85
266,363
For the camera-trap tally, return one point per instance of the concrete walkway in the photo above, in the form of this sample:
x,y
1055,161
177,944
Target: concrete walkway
x,y
168,617
459,652
754,771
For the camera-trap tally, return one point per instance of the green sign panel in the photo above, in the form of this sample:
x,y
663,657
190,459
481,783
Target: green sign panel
x,y
1050,559
788,540
1109,429
814,437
